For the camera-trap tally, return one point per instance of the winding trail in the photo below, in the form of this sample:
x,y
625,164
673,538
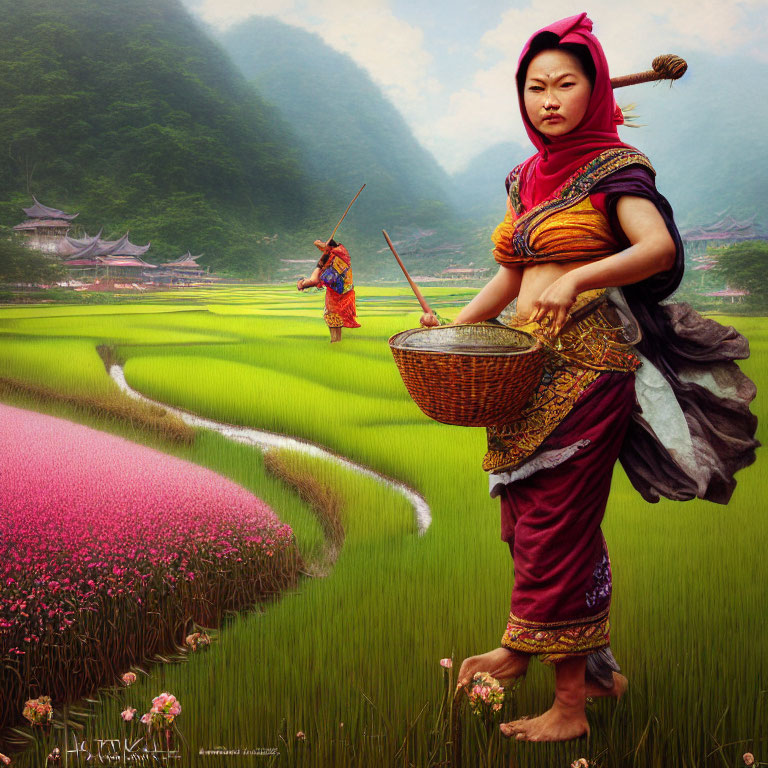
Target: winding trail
x,y
265,441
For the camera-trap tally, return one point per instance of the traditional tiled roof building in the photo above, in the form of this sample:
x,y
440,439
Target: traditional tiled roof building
x,y
44,226
726,231
183,270
105,258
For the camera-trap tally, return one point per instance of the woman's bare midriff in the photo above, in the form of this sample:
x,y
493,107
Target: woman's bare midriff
x,y
536,278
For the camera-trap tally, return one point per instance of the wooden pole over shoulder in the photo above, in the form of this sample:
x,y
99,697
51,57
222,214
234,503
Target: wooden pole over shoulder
x,y
666,67
414,287
345,213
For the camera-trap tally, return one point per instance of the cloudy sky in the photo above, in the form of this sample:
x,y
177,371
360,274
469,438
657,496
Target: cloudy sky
x,y
448,65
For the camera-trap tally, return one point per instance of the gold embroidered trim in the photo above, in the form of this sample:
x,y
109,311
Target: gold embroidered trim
x,y
597,342
585,348
512,238
576,636
560,387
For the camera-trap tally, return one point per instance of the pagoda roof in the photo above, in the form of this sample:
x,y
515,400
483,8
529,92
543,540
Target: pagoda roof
x,y
125,261
107,261
70,247
40,211
187,260
726,228
41,223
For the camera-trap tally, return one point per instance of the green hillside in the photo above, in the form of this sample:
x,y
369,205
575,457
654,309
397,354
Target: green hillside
x,y
125,111
348,131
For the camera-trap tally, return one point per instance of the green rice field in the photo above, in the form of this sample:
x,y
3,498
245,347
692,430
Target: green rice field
x,y
352,659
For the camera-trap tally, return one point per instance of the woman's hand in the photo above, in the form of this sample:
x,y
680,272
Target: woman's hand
x,y
551,309
428,320
300,284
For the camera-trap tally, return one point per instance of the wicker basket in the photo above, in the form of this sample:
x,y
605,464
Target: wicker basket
x,y
470,375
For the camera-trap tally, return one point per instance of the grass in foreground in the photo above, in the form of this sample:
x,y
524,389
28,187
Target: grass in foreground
x,y
361,647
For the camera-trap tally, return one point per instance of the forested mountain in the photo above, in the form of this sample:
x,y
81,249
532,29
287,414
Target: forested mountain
x,y
479,189
348,131
126,111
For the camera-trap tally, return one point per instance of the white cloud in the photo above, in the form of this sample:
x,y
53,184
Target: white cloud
x,y
457,124
632,34
389,48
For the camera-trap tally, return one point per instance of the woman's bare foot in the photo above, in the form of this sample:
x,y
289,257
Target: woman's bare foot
x,y
566,719
560,723
596,691
501,663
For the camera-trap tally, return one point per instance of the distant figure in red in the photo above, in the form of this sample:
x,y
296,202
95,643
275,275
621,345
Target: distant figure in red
x,y
334,272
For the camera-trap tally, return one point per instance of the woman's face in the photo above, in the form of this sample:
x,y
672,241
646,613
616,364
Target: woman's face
x,y
556,92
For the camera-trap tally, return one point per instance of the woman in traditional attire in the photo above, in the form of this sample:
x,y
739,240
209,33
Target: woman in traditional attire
x,y
334,272
625,377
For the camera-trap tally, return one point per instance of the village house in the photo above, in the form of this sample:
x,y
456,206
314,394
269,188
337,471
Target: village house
x,y
44,227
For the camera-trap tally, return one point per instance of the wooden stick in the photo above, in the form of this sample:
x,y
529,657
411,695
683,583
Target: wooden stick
x,y
666,67
345,213
414,287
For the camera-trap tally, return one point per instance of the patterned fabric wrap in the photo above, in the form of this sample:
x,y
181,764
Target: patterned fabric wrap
x,y
337,274
340,309
585,347
566,227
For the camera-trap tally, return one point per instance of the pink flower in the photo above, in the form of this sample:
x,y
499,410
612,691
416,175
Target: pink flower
x,y
127,714
446,663
4,759
166,704
582,762
485,694
301,736
145,718
748,758
91,519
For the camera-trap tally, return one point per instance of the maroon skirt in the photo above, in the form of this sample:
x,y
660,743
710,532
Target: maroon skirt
x,y
551,521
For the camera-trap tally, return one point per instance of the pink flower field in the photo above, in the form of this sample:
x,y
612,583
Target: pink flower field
x,y
108,549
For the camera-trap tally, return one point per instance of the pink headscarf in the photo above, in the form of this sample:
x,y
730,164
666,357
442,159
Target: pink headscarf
x,y
558,158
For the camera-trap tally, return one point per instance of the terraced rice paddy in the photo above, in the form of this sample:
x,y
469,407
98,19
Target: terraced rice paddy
x,y
362,645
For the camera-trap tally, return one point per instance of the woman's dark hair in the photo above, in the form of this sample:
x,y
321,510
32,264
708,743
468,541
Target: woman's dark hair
x,y
333,243
548,41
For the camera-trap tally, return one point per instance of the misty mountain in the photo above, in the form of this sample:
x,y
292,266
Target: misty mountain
x,y
705,136
479,189
128,113
349,133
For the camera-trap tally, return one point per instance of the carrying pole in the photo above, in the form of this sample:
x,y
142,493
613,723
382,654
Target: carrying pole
x,y
345,213
665,67
414,287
